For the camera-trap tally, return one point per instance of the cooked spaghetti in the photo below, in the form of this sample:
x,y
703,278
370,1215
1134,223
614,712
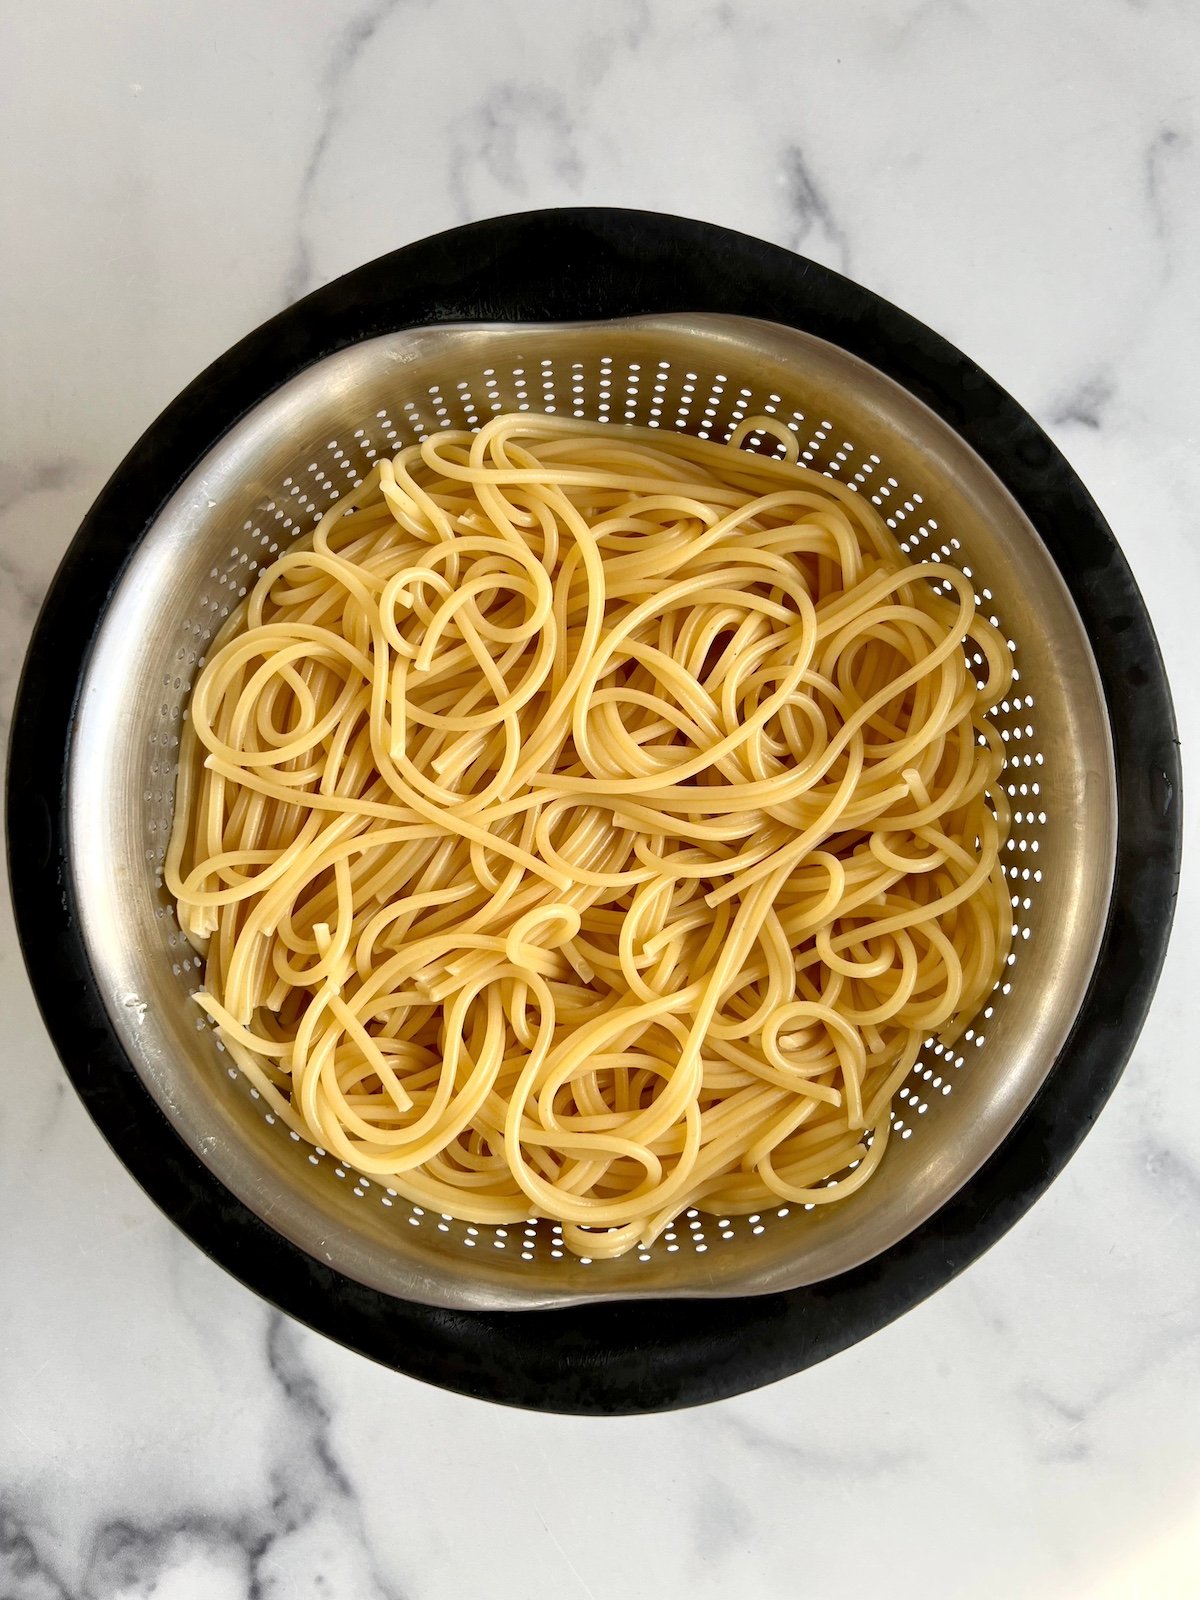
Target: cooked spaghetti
x,y
592,823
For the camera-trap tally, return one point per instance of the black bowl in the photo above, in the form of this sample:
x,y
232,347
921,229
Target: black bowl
x,y
588,264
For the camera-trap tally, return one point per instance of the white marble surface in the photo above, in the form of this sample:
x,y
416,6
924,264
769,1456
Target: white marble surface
x,y
1025,177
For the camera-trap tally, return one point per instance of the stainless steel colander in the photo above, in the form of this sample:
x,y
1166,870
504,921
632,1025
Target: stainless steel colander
x,y
264,474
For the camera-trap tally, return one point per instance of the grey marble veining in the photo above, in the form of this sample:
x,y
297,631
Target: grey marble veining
x,y
1023,177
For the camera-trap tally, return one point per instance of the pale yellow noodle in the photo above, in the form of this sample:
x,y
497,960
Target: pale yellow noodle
x,y
592,824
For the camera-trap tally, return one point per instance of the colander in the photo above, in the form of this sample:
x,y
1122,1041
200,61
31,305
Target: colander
x,y
617,317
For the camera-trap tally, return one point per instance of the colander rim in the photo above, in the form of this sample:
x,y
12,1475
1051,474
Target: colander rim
x,y
589,264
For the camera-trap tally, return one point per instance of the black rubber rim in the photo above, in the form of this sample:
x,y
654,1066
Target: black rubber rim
x,y
556,266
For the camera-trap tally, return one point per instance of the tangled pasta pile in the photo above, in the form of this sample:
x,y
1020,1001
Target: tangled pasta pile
x,y
591,824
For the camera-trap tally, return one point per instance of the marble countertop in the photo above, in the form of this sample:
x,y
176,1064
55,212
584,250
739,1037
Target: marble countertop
x,y
1023,177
